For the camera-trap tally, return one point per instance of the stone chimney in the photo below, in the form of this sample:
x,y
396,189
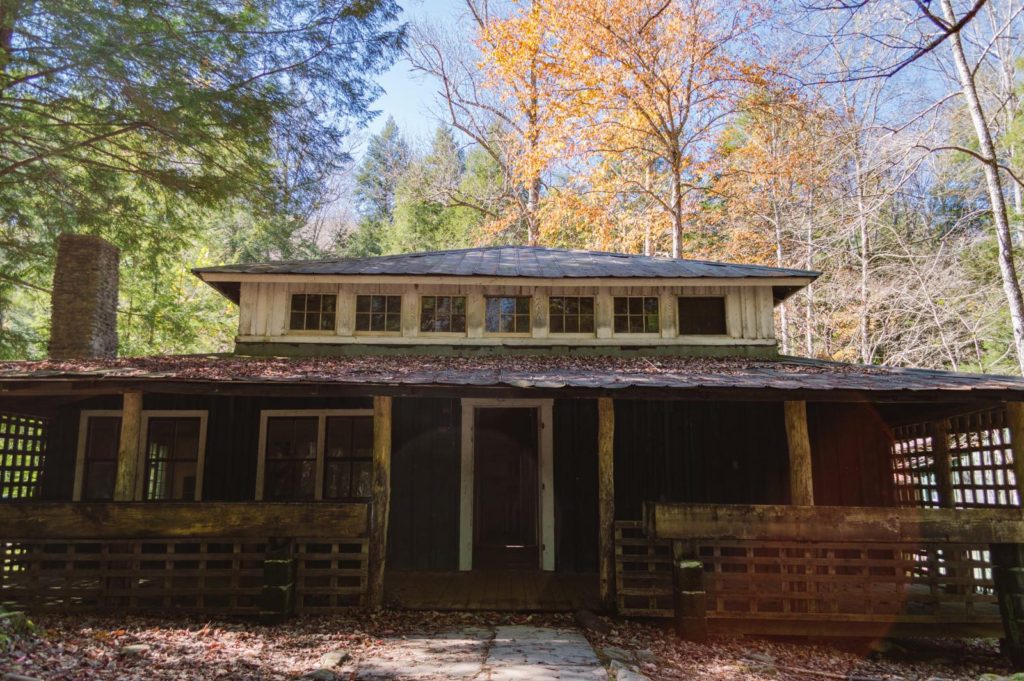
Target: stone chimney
x,y
83,306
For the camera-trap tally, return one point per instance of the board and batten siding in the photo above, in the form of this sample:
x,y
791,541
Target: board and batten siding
x,y
264,306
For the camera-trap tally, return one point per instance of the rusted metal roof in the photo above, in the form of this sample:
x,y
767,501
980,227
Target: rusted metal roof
x,y
549,372
514,261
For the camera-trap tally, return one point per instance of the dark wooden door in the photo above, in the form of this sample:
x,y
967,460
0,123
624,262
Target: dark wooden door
x,y
505,523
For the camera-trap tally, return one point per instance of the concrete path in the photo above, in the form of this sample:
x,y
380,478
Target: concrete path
x,y
510,653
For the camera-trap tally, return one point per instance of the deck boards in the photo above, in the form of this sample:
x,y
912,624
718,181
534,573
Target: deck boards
x,y
512,591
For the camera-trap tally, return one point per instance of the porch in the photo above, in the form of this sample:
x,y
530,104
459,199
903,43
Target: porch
x,y
833,472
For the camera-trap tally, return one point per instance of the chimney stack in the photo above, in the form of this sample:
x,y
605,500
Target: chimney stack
x,y
83,306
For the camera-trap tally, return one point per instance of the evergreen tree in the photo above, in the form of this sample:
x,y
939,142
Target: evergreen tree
x,y
387,158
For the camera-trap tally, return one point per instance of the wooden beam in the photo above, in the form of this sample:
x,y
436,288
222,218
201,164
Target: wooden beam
x,y
381,504
801,478
606,498
128,448
1015,423
943,465
67,520
835,523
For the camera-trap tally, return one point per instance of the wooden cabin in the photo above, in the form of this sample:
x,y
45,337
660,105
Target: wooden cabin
x,y
507,428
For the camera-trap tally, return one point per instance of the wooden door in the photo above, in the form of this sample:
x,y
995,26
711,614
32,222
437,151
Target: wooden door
x,y
505,472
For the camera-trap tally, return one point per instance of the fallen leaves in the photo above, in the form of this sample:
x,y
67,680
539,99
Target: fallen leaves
x,y
180,648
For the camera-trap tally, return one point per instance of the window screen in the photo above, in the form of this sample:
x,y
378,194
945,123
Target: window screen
x,y
348,457
507,314
439,314
571,314
290,470
172,458
103,433
702,316
312,312
379,313
636,314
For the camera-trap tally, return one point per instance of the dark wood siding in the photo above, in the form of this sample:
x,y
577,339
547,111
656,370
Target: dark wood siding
x,y
850,450
575,480
723,452
425,473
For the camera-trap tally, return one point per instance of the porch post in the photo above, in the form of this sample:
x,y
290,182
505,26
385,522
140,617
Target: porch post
x,y
381,505
1008,559
128,447
1015,423
606,498
943,466
801,479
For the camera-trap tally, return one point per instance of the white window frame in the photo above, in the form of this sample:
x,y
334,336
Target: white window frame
x,y
545,475
440,334
147,414
321,439
728,301
506,334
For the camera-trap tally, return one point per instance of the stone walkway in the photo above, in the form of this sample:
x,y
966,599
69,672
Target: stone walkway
x,y
508,653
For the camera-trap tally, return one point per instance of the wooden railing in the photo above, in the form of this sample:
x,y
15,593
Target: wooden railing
x,y
840,570
207,556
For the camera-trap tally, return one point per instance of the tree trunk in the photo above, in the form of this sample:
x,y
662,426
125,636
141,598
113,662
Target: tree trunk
x,y
779,256
993,182
677,214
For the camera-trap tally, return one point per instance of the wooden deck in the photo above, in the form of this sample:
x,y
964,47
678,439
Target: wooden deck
x,y
514,591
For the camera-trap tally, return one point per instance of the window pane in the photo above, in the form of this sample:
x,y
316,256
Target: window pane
x,y
393,322
362,303
362,322
522,305
702,316
378,304
459,305
394,304
103,434
426,321
427,304
587,306
312,312
99,481
362,479
337,479
459,323
587,324
557,325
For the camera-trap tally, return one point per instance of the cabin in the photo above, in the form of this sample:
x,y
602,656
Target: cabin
x,y
507,428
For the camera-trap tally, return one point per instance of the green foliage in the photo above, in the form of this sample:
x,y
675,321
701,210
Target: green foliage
x,y
173,129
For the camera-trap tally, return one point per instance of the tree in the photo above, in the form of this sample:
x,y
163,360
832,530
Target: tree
x,y
119,118
376,186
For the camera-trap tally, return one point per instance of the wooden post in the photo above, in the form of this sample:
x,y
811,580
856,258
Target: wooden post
x,y
606,498
689,600
128,448
381,504
1008,577
943,466
1015,423
801,479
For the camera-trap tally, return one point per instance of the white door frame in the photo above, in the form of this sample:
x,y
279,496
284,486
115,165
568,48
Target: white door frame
x,y
545,476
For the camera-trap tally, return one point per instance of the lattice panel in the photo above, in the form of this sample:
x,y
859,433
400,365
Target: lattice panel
x,y
913,467
330,576
22,451
643,572
872,582
982,461
209,576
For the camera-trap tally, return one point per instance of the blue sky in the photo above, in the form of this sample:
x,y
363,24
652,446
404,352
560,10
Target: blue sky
x,y
408,96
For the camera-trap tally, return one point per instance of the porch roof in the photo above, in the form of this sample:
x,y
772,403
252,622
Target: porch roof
x,y
688,374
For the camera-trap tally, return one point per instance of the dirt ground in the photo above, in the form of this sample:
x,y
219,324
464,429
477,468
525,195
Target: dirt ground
x,y
125,648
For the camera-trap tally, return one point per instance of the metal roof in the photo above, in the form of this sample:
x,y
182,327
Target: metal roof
x,y
514,261
546,372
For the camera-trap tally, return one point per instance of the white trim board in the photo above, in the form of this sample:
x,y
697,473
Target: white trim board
x,y
545,476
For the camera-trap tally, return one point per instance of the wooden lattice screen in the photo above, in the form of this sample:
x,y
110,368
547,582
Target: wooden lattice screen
x,y
22,451
980,462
